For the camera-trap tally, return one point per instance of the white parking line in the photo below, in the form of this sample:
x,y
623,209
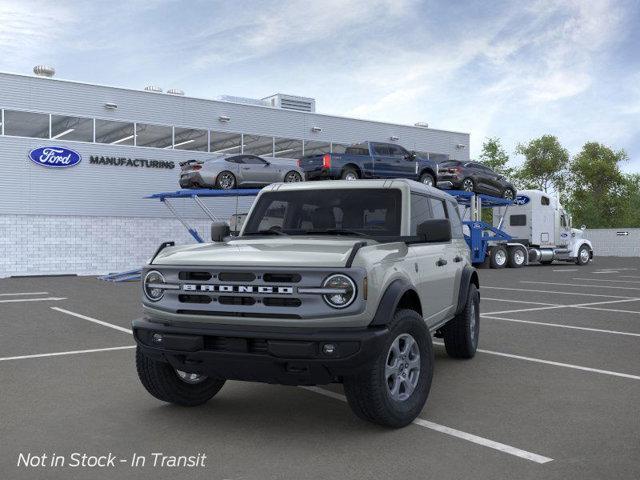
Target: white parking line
x,y
556,364
94,320
559,325
603,280
577,305
71,352
23,293
579,285
518,301
46,299
529,290
485,442
527,309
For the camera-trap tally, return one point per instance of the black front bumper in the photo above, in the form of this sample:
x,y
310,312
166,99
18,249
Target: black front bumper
x,y
288,356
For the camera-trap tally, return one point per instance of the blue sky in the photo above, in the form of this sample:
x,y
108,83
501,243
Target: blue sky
x,y
515,70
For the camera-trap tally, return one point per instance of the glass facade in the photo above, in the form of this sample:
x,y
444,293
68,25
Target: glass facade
x,y
116,132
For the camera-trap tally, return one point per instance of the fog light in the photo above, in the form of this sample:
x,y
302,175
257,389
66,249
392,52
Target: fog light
x,y
157,338
328,349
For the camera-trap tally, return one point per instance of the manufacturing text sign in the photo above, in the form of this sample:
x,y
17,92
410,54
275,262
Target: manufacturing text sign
x,y
55,157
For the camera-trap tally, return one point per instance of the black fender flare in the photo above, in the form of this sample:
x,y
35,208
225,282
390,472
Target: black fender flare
x,y
469,276
389,302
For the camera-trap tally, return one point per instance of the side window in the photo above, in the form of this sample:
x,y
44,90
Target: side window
x,y
252,160
517,220
234,160
544,200
381,149
437,207
396,151
563,221
420,211
456,222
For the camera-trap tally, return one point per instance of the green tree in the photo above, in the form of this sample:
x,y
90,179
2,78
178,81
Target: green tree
x,y
599,192
631,198
495,157
545,164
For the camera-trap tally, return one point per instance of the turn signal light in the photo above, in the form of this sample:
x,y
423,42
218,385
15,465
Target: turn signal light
x,y
326,160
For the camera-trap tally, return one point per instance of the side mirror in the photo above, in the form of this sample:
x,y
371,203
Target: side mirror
x,y
435,230
219,230
583,227
410,156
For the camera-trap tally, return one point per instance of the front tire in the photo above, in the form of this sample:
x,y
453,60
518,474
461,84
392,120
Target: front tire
x,y
508,194
392,390
584,255
462,333
170,385
468,185
225,180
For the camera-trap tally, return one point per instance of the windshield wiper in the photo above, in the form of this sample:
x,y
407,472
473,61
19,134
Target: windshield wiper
x,y
266,232
336,231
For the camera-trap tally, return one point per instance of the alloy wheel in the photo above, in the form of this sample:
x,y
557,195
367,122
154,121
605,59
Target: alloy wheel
x,y
190,378
226,181
292,177
402,367
467,185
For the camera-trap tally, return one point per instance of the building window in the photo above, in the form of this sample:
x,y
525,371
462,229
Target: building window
x,y
316,148
26,124
338,147
72,128
190,139
157,136
287,148
114,133
224,142
257,145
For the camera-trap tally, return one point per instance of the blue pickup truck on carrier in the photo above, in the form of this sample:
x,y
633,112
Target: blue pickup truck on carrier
x,y
370,160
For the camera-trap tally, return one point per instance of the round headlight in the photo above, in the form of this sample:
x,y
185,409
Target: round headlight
x,y
150,285
345,291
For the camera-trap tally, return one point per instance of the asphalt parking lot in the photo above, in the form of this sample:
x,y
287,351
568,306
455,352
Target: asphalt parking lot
x,y
552,393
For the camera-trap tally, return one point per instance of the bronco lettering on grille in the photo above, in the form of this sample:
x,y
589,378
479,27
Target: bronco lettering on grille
x,y
256,289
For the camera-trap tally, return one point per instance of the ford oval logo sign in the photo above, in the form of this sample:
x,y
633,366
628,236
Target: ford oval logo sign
x,y
521,200
56,157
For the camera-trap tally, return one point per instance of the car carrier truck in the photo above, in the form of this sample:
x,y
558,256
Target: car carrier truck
x,y
538,225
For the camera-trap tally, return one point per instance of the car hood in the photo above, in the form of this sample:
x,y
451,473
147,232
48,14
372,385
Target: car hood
x,y
264,251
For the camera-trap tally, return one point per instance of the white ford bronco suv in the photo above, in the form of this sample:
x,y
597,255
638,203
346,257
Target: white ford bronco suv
x,y
330,281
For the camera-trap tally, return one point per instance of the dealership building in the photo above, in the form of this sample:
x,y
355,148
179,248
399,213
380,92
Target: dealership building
x,y
91,216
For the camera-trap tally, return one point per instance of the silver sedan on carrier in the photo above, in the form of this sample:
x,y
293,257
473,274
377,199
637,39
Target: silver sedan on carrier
x,y
239,170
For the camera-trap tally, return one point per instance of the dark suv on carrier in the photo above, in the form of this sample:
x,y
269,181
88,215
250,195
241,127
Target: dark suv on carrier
x,y
475,177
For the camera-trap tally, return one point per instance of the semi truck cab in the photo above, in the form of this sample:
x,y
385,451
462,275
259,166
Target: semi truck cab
x,y
538,221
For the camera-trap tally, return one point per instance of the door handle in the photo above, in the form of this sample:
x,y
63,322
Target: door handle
x,y
246,168
457,259
441,262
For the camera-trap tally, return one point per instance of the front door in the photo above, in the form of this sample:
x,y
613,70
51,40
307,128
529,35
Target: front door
x,y
255,170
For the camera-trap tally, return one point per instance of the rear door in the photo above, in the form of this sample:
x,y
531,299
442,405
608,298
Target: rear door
x,y
382,160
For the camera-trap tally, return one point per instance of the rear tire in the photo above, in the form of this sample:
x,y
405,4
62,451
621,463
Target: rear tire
x,y
427,179
517,257
292,177
462,333
165,383
468,185
349,174
498,258
225,180
376,394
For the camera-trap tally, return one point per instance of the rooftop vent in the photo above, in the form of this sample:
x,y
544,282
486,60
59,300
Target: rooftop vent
x,y
44,71
153,88
422,124
292,102
175,91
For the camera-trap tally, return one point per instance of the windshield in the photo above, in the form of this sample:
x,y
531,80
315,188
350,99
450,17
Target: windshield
x,y
359,212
